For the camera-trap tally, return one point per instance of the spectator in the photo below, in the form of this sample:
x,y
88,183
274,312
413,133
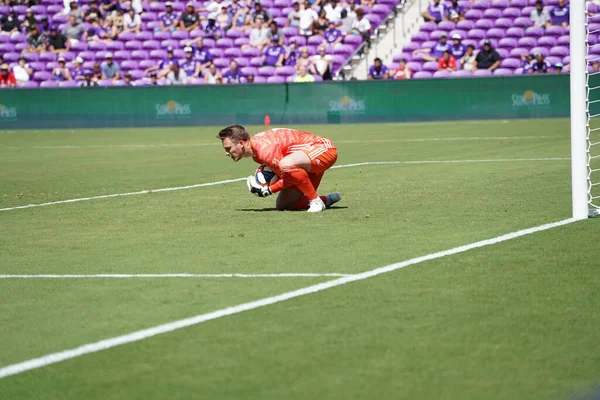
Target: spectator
x,y
57,42
455,12
10,23
291,54
234,74
78,73
468,60
275,31
74,31
333,36
164,66
190,20
88,80
22,71
76,12
434,53
61,73
7,78
447,62
250,79
168,19
403,72
540,16
346,22
526,59
322,63
362,26
127,79
93,13
306,61
457,49
378,71
351,9
303,75
109,6
237,5
333,11
558,68
97,32
274,54
29,22
137,6
258,35
132,22
294,16
595,66
320,25
212,29
241,16
45,25
189,65
110,69
154,79
435,12
212,75
176,76
36,42
488,58
368,3
213,8
202,54
539,66
224,19
97,72
560,14
118,19
307,18
259,11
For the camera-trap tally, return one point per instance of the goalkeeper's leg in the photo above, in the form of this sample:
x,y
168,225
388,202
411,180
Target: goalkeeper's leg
x,y
293,199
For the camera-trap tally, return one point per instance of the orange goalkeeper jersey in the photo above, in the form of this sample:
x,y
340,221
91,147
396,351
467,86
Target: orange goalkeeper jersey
x,y
270,146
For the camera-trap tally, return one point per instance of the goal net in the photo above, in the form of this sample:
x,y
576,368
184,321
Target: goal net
x,y
592,79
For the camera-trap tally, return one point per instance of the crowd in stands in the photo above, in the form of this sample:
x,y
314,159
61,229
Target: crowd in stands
x,y
304,44
501,37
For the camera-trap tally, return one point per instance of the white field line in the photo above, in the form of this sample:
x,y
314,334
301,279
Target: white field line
x,y
167,145
198,319
108,196
126,276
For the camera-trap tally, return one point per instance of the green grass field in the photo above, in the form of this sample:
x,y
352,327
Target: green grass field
x,y
514,320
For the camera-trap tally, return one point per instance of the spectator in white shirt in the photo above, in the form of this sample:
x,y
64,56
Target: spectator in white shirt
x,y
346,22
22,71
362,26
176,76
307,17
132,22
540,16
468,60
258,34
294,16
323,63
333,11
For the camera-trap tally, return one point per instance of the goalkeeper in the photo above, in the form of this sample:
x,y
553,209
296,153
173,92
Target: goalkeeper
x,y
299,159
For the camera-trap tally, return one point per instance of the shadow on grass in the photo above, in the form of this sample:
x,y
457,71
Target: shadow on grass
x,y
274,209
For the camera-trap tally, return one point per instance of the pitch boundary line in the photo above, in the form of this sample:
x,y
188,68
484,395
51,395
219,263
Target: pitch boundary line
x,y
183,275
139,192
105,344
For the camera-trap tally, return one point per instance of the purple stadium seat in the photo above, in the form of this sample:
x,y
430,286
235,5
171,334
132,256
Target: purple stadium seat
x,y
474,14
503,52
266,71
30,57
512,63
42,76
526,11
428,27
18,38
6,47
275,79
343,49
482,72
541,50
523,22
260,79
411,47
484,24
436,35
96,46
152,25
169,43
232,52
281,3
481,4
553,59
503,23
496,33
121,55
158,54
508,42
157,6
471,42
105,82
559,51
144,64
381,10
442,74
37,65
315,40
218,53
196,33
180,35
149,16
234,33
500,4
463,73
492,13
465,25
414,66
38,9
460,32
518,3
129,64
422,75
179,53
354,40
431,66
126,36
547,41
49,84
476,34
290,79
150,44
67,84
133,45
29,85
503,71
555,30
318,78
242,62
281,21
224,43
517,52
100,55
88,64
256,61
239,42
221,62
446,26
528,42
249,71
21,46
141,36
534,31
4,38
79,46
289,31
136,74
515,32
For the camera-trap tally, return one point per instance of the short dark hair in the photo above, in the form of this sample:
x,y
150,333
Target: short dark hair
x,y
471,47
234,132
377,59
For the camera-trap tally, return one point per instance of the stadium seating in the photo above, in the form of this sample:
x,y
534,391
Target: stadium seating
x,y
148,47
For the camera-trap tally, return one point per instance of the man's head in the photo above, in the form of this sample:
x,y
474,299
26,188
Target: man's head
x,y
446,55
200,43
188,52
72,20
61,62
73,5
233,66
169,7
377,63
108,58
302,70
596,66
275,40
78,61
561,3
456,38
322,50
539,57
235,140
304,52
259,21
487,45
558,67
175,67
273,26
94,5
539,5
169,52
88,75
4,69
190,7
153,77
127,78
35,32
443,39
403,63
436,2
257,6
359,13
470,49
331,25
131,12
296,6
21,61
28,13
344,13
250,79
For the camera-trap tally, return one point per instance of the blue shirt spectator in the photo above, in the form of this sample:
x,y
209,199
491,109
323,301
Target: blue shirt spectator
x,y
168,19
110,69
378,71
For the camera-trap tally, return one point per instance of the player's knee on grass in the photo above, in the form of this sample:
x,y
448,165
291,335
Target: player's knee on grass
x,y
287,199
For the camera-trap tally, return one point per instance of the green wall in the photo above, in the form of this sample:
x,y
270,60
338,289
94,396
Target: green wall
x,y
333,102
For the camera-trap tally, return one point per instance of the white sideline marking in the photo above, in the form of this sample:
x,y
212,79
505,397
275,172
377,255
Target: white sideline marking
x,y
198,319
166,145
108,196
125,276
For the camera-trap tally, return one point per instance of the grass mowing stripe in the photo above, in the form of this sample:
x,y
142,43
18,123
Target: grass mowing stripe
x,y
108,196
126,276
198,319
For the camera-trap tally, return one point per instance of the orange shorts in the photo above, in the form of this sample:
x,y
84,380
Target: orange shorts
x,y
321,158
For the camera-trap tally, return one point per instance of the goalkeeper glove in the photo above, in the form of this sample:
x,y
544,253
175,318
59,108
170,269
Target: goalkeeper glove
x,y
257,188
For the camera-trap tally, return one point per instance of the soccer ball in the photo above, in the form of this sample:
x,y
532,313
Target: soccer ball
x,y
265,175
